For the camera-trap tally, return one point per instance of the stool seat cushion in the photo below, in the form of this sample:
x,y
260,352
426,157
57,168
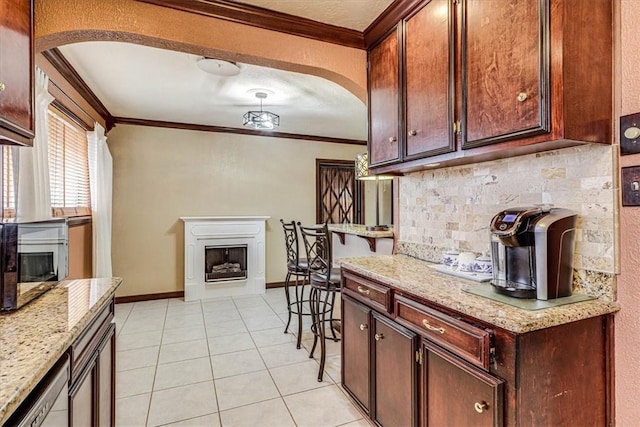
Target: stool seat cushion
x,y
301,267
320,279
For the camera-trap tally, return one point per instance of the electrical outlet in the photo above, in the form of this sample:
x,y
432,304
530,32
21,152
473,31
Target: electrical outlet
x,y
631,186
630,134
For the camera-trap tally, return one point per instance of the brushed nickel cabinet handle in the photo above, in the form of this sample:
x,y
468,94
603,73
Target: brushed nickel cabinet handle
x,y
430,327
363,326
392,139
522,97
413,132
480,407
2,87
378,337
363,290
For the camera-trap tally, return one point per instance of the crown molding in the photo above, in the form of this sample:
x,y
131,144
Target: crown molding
x,y
239,131
387,20
267,19
60,63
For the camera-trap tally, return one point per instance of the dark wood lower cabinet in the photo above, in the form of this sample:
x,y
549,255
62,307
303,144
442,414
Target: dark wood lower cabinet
x,y
92,390
395,378
355,351
458,394
411,362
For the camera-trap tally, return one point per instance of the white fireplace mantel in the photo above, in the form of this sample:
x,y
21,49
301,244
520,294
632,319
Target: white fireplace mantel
x,y
201,231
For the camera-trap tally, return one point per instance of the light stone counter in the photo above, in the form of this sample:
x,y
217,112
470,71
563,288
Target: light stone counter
x,y
34,337
414,276
359,230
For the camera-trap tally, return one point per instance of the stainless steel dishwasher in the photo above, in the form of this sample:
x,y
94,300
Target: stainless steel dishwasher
x,y
48,404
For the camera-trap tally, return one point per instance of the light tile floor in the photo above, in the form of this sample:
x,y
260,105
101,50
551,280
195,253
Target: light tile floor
x,y
223,362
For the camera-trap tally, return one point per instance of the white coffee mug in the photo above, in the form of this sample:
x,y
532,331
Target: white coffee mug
x,y
466,261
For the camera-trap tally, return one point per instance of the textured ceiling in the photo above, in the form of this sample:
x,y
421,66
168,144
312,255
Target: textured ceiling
x,y
353,14
141,82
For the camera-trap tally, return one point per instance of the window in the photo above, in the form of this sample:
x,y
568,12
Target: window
x,y
68,169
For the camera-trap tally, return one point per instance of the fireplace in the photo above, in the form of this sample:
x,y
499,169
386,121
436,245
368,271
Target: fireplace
x,y
224,256
222,263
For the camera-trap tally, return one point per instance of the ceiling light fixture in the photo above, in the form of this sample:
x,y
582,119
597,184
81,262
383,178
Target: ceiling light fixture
x,y
261,120
218,67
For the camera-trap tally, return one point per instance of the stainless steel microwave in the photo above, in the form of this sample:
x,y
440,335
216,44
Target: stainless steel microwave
x,y
33,259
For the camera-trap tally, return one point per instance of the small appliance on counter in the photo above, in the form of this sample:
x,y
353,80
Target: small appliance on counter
x,y
33,259
532,251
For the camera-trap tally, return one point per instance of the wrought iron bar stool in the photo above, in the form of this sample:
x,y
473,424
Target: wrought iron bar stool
x,y
325,284
298,268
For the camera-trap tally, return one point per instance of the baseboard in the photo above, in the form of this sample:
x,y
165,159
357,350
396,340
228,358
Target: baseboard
x,y
273,285
149,297
174,294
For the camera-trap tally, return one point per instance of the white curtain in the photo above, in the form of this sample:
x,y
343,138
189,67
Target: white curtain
x,y
100,178
33,197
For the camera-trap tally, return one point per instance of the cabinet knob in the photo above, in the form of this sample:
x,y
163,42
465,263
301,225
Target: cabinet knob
x,y
363,326
378,337
413,132
480,407
2,87
522,97
392,139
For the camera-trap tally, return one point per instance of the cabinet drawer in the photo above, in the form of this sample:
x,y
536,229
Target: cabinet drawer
x,y
372,294
471,343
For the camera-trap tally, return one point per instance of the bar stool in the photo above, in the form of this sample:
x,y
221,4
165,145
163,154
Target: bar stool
x,y
325,284
298,268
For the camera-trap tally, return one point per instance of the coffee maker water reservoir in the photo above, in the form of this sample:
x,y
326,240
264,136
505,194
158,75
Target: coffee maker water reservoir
x,y
532,251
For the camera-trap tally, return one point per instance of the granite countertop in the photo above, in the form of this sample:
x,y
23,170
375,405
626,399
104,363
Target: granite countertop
x,y
415,277
34,337
359,230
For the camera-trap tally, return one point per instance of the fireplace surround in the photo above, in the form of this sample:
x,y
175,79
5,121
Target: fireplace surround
x,y
224,256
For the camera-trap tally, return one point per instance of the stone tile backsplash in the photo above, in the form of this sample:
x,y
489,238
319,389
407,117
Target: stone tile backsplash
x,y
452,207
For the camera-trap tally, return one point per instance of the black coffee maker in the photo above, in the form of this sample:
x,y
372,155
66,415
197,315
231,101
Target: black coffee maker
x,y
532,252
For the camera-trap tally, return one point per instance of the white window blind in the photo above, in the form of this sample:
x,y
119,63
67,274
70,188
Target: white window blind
x,y
68,167
8,194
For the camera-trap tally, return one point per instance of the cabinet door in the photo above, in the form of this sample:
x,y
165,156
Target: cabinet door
x,y
429,82
457,394
106,380
355,351
395,374
81,398
505,70
16,71
384,101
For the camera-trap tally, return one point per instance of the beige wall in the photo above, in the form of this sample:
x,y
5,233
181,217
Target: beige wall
x,y
163,174
628,320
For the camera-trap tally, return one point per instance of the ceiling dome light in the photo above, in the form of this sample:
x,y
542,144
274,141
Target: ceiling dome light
x,y
218,67
261,120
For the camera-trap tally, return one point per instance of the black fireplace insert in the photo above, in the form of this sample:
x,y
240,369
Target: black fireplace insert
x,y
225,263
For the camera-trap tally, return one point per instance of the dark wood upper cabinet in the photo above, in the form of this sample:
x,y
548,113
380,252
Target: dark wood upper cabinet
x,y
505,70
16,72
429,86
489,79
384,100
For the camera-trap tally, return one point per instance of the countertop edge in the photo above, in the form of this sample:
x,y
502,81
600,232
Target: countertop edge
x,y
20,393
534,320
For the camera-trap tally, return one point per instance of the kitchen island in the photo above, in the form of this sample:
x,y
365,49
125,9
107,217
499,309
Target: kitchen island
x,y
69,319
353,240
420,350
